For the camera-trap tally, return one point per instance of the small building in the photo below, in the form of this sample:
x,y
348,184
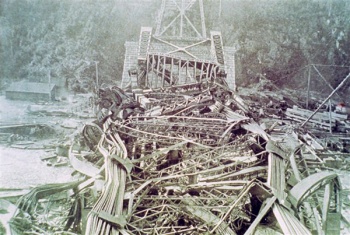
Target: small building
x,y
33,91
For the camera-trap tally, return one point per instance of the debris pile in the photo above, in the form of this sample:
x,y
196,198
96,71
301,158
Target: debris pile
x,y
189,159
178,151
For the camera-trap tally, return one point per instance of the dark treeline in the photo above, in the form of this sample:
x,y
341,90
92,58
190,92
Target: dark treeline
x,y
275,39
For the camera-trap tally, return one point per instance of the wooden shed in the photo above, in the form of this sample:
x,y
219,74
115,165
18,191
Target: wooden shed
x,y
32,91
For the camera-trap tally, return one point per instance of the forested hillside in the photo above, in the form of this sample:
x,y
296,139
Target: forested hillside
x,y
65,38
277,39
274,39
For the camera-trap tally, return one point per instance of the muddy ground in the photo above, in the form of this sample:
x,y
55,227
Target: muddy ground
x,y
31,159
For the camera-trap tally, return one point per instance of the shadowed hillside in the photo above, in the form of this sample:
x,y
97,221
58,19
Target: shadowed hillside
x,y
274,39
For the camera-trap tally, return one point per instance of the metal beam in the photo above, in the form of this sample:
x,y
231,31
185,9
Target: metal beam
x,y
160,17
330,96
309,185
204,29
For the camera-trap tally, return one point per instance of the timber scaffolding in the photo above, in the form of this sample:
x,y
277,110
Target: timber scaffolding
x,y
177,156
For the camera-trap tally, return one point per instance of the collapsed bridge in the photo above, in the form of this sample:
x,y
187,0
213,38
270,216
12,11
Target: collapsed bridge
x,y
175,150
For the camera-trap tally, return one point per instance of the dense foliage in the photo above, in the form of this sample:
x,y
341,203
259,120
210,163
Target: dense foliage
x,y
63,39
274,39
280,39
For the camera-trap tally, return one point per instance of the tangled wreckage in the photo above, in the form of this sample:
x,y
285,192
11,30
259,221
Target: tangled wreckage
x,y
178,151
